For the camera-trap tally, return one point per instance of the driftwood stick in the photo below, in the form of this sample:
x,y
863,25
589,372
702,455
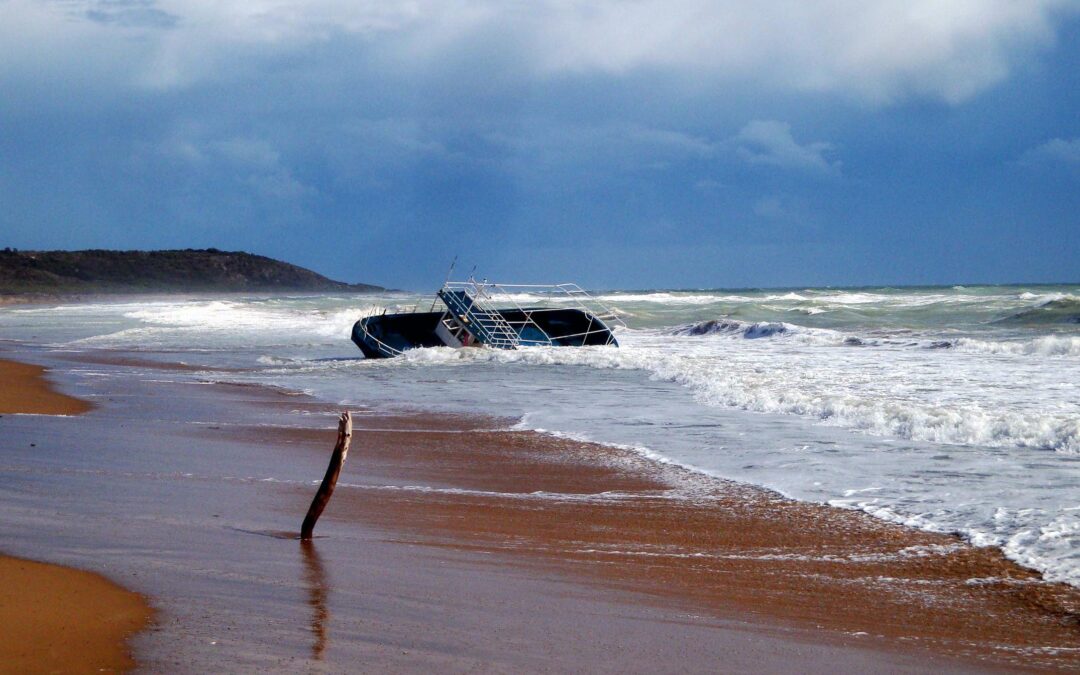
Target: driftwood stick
x,y
322,497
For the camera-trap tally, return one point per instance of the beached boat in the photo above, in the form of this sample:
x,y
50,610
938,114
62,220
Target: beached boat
x,y
469,318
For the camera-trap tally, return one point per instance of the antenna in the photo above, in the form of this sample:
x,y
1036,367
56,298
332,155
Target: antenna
x,y
448,273
451,270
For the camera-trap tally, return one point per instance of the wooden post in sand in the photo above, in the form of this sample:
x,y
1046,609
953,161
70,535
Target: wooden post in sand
x,y
322,497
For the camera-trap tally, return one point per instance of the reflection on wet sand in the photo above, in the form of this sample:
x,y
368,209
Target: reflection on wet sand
x,y
315,578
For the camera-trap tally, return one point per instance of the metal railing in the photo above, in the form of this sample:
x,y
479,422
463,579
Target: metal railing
x,y
487,325
392,351
506,333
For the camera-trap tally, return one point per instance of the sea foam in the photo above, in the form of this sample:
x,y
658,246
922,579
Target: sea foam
x,y
955,410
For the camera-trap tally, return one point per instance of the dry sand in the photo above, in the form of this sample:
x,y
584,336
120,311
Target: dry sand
x,y
24,389
60,620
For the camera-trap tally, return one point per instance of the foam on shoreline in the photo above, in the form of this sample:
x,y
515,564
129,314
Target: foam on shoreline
x,y
624,523
630,522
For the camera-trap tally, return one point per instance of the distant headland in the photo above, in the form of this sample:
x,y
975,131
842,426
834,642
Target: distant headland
x,y
173,271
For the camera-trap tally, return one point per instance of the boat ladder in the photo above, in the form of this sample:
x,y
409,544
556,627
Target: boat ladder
x,y
486,325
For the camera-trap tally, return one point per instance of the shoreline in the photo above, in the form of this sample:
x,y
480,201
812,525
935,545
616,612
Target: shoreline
x,y
26,390
633,524
62,619
59,618
684,549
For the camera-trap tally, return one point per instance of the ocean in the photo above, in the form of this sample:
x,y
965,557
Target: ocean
x,y
951,409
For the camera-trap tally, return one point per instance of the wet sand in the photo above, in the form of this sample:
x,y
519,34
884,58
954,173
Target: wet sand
x,y
25,390
715,546
454,544
704,544
57,619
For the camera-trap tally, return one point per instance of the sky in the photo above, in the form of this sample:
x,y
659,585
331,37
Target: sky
x,y
629,144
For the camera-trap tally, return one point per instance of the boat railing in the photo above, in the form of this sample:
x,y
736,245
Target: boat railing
x,y
485,323
567,295
391,351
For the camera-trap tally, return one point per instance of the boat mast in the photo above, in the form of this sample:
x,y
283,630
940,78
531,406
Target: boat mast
x,y
448,273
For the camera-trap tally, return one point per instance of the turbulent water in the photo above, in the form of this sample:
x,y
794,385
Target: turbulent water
x,y
950,409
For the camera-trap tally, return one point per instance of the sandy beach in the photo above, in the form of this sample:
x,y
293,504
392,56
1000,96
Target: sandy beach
x,y
665,337
727,549
58,619
449,530
716,546
27,391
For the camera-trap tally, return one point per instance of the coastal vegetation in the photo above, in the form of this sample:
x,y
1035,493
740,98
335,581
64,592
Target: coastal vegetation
x,y
186,270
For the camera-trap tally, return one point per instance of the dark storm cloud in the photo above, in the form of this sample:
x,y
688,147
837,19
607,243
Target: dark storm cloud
x,y
652,144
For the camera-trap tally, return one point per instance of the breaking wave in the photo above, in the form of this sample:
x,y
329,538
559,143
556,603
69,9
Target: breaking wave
x,y
1049,345
1063,309
732,327
913,374
836,394
753,330
215,324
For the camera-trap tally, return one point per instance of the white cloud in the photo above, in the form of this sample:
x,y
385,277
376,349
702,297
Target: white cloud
x,y
770,142
1054,150
877,50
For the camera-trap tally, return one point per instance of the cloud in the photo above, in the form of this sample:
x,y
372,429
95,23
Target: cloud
x,y
879,50
139,13
1055,150
614,144
248,152
236,160
876,50
770,142
771,208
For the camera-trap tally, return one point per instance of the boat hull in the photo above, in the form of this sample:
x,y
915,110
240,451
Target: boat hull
x,y
389,335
